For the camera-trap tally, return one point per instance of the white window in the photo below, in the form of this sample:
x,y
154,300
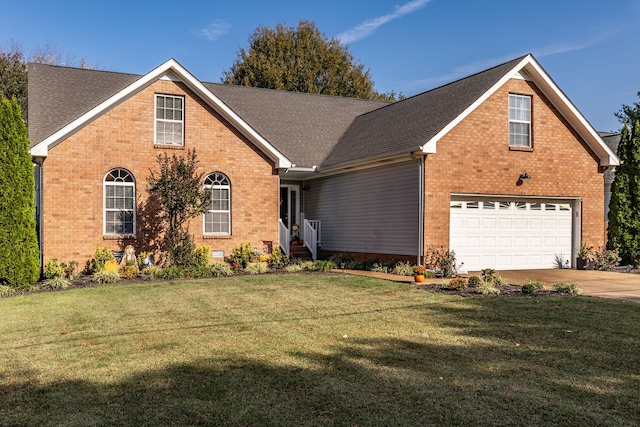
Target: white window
x,y
169,120
519,121
119,203
217,219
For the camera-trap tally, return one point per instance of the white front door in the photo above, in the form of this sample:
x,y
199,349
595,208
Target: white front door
x,y
510,234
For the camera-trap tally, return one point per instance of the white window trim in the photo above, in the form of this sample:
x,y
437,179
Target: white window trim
x,y
527,122
228,211
156,120
104,202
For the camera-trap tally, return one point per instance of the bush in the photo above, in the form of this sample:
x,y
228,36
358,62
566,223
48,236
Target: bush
x,y
567,288
378,267
172,272
294,267
104,277
100,258
257,267
342,260
7,291
220,269
403,269
201,256
151,272
69,269
53,269
532,287
323,265
440,259
458,284
474,281
277,258
129,271
242,255
605,260
111,266
57,282
487,288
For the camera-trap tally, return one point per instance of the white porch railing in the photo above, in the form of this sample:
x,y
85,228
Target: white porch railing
x,y
284,238
311,235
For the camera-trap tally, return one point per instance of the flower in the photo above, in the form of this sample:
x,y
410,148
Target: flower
x,y
419,270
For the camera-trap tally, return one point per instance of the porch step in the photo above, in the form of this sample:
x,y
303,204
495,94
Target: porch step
x,y
300,252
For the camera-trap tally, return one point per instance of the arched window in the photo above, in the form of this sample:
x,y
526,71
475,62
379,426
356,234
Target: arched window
x,y
119,203
217,219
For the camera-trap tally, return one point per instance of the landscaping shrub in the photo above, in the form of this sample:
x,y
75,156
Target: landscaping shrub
x,y
403,269
100,258
7,291
111,266
488,274
171,272
129,271
532,287
567,288
458,284
242,255
378,267
294,267
323,265
487,288
69,269
57,282
220,269
257,267
53,269
201,256
474,281
103,277
151,272
342,260
277,258
440,259
605,260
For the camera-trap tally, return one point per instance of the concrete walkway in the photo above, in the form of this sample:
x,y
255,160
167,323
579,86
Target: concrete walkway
x,y
603,284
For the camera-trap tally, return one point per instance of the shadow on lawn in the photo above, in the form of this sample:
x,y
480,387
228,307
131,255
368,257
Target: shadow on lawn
x,y
493,375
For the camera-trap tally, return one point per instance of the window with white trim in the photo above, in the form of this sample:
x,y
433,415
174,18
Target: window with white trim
x,y
119,203
169,120
217,218
519,121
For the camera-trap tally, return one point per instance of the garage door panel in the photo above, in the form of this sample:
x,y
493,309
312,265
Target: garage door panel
x,y
510,234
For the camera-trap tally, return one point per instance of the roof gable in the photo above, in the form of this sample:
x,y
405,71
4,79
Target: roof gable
x,y
171,69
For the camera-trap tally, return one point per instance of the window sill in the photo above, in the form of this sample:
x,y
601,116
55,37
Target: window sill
x,y
119,237
169,147
210,236
525,149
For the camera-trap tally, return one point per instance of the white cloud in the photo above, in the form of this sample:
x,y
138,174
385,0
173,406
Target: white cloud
x,y
370,26
215,29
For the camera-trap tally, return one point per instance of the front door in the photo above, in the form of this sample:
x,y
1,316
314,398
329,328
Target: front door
x,y
290,205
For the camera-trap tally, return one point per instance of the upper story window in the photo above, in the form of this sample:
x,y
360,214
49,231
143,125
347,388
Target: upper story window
x,y
119,203
217,218
169,120
519,121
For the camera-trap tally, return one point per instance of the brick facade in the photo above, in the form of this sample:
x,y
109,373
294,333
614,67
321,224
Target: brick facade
x,y
74,171
474,158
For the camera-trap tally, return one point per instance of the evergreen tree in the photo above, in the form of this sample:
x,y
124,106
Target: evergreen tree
x,y
19,254
301,59
624,207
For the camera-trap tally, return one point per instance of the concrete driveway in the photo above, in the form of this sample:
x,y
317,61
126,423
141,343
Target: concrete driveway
x,y
604,284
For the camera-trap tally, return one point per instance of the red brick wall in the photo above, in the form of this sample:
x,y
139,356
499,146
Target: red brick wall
x,y
474,157
74,171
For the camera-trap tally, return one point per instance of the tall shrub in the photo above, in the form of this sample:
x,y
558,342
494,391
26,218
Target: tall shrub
x,y
19,254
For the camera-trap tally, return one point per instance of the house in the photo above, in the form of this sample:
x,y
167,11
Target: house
x,y
499,166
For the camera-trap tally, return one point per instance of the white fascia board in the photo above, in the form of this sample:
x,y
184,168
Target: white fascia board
x,y
529,64
430,146
165,71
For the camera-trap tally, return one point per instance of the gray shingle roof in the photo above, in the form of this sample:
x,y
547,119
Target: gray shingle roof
x,y
408,124
308,129
59,95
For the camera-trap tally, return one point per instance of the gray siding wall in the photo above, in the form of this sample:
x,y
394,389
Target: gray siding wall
x,y
369,211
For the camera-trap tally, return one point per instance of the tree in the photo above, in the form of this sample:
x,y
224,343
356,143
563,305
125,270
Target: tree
x,y
624,207
181,196
19,253
301,59
13,69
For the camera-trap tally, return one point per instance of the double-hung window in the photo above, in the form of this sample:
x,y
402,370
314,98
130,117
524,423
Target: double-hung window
x,y
119,203
217,218
169,120
520,121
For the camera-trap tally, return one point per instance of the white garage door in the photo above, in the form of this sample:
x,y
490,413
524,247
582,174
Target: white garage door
x,y
510,234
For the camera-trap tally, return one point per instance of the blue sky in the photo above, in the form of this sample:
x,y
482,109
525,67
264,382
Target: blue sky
x,y
588,47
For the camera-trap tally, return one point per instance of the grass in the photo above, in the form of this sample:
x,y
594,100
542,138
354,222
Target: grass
x,y
321,349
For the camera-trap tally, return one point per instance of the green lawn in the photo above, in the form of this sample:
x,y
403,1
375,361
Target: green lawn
x,y
314,349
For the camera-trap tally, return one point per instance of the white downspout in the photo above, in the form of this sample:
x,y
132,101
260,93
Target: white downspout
x,y
421,210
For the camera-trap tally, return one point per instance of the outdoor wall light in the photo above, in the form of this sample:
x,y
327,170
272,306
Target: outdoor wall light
x,y
525,175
